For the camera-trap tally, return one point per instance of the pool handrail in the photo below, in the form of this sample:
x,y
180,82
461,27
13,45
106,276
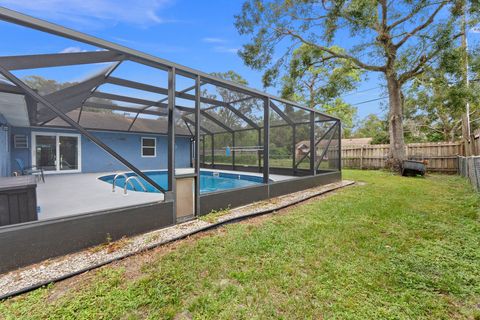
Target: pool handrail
x,y
133,186
115,179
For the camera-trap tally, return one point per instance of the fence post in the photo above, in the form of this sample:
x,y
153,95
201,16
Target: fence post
x,y
475,170
361,158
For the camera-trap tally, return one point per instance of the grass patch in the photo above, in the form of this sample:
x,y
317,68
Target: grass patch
x,y
394,248
213,215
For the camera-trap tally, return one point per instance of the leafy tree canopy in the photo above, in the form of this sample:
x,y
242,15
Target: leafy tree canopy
x,y
400,39
317,81
436,99
373,127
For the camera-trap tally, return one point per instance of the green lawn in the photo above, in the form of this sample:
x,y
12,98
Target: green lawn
x,y
394,248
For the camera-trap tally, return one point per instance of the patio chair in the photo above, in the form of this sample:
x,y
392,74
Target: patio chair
x,y
34,171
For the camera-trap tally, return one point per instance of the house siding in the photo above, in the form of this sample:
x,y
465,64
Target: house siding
x,y
95,159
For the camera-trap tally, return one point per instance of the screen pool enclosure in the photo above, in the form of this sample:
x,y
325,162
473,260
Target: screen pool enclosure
x,y
194,141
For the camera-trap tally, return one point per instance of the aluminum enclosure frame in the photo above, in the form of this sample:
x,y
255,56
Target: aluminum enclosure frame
x,y
44,108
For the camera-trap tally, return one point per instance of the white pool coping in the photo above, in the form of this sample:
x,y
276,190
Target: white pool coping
x,y
65,195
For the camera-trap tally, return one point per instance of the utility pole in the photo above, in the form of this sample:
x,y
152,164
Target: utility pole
x,y
466,123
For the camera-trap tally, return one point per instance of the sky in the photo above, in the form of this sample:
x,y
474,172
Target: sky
x,y
197,34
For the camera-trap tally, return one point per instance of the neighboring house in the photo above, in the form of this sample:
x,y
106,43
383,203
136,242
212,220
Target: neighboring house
x,y
302,148
59,149
356,141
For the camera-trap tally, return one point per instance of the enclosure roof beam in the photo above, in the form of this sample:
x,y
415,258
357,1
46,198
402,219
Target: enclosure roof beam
x,y
216,121
193,123
220,104
241,100
69,98
147,103
31,109
135,55
106,75
116,97
107,106
146,87
281,113
217,103
188,127
58,59
136,85
241,115
72,97
161,110
8,88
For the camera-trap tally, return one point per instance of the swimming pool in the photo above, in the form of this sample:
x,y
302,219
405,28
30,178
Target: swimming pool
x,y
210,181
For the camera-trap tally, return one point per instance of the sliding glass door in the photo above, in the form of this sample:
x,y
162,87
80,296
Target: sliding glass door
x,y
68,146
56,152
45,152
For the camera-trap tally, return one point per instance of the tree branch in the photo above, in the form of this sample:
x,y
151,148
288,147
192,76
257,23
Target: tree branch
x,y
423,61
411,15
356,61
422,26
383,3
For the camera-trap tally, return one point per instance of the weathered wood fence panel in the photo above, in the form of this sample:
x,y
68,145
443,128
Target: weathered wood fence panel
x,y
472,145
441,156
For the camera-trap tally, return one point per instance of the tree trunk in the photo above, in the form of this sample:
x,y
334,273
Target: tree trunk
x,y
452,134
395,122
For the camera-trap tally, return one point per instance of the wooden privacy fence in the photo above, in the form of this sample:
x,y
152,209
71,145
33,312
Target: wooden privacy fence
x,y
441,156
472,147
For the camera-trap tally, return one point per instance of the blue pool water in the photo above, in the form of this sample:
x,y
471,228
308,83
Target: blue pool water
x,y
209,181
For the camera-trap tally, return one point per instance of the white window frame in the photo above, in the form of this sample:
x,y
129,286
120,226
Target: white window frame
x,y
57,137
148,147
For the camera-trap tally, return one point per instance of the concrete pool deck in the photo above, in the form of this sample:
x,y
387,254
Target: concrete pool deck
x,y
70,194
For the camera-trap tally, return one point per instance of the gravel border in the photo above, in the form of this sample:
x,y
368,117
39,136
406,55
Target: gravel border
x,y
56,269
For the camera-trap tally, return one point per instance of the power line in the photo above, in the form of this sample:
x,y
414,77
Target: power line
x,y
361,91
367,101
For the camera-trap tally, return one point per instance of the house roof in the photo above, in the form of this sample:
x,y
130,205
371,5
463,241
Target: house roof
x,y
356,141
119,122
345,142
303,143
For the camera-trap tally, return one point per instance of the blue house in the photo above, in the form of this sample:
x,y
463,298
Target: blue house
x,y
58,149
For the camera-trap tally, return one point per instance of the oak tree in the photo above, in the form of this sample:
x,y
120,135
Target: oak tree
x,y
397,38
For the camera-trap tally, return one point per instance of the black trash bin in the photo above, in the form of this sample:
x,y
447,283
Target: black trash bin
x,y
413,168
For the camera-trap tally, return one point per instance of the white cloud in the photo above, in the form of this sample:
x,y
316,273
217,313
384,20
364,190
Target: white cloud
x,y
213,40
93,13
220,45
225,49
72,50
475,29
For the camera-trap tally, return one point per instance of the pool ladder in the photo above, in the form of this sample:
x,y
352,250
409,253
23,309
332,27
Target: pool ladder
x,y
127,181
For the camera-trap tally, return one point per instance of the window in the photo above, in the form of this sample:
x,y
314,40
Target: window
x,y
149,147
